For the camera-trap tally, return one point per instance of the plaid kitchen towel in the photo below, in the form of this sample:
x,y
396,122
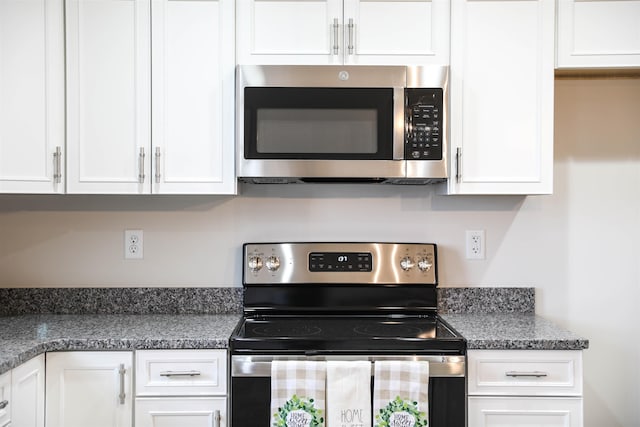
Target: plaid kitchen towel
x,y
349,393
401,394
297,393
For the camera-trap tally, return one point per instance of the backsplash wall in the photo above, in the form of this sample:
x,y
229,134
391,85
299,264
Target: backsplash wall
x,y
577,248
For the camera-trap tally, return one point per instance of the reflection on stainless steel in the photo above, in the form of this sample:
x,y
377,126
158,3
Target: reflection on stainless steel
x,y
396,170
260,365
386,258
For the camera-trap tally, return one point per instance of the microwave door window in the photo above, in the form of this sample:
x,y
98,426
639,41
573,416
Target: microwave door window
x,y
317,131
318,123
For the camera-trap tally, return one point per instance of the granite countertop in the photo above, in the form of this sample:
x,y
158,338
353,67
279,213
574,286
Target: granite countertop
x,y
513,331
196,318
24,337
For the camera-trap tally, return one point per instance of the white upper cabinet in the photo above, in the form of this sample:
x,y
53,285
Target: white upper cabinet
x,y
502,83
337,32
598,33
108,96
115,145
31,96
193,97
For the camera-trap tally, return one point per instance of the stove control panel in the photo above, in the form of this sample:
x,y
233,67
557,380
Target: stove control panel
x,y
339,263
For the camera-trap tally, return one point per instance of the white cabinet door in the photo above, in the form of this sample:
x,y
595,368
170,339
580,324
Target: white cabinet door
x,y
27,391
502,83
399,32
31,96
289,31
372,32
525,412
89,389
181,412
5,399
598,33
108,96
193,96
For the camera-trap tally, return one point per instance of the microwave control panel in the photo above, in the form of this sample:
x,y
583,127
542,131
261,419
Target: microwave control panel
x,y
423,127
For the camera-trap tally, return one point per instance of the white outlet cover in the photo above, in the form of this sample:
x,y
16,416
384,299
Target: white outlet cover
x,y
133,244
475,245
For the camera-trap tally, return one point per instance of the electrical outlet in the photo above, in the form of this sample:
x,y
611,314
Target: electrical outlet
x,y
133,244
475,244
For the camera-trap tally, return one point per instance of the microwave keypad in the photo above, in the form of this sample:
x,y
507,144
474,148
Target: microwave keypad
x,y
423,136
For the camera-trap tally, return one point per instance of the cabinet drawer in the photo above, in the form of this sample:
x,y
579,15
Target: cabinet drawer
x,y
525,372
181,372
525,411
181,412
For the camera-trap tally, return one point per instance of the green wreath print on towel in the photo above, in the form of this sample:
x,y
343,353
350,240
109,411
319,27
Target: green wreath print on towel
x,y
401,413
298,412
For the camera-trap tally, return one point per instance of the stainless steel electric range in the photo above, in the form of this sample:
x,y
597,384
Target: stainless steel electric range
x,y
343,301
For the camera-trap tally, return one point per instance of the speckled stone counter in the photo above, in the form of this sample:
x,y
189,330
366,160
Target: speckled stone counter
x,y
23,337
513,331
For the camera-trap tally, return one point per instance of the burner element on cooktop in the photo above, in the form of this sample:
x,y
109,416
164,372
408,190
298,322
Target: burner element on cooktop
x,y
297,330
387,329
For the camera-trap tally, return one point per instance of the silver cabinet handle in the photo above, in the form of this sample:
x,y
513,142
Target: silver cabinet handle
x,y
157,156
336,36
458,156
141,166
57,170
536,374
122,395
180,373
350,46
216,418
5,403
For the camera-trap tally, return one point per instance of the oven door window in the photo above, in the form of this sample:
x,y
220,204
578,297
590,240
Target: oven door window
x,y
318,123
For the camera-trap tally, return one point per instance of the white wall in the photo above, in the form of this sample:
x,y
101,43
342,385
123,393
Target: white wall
x,y
579,248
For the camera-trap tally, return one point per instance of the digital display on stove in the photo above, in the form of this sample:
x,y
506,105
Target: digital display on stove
x,y
340,261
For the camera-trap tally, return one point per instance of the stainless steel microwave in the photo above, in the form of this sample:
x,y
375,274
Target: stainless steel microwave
x,y
342,124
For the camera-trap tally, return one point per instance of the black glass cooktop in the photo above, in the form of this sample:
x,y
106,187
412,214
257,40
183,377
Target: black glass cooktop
x,y
353,334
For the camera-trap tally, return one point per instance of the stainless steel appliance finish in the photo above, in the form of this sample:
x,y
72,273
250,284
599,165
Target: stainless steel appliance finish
x,y
260,366
329,301
388,263
399,167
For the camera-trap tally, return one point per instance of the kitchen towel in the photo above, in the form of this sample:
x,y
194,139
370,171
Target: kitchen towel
x,y
348,394
401,394
297,393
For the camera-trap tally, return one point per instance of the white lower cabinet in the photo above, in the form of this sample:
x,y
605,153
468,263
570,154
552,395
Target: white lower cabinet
x,y
5,399
27,393
89,388
525,411
525,388
181,412
181,388
22,395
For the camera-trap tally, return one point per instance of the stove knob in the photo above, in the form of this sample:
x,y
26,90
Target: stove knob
x,y
254,263
406,263
273,263
424,264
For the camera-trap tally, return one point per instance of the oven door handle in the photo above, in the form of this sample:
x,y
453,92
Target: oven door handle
x,y
260,365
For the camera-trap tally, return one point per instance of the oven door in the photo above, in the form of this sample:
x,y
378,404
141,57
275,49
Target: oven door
x,y
251,388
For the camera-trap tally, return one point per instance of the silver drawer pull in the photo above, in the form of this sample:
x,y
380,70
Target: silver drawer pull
x,y
336,27
536,374
180,373
216,418
4,404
